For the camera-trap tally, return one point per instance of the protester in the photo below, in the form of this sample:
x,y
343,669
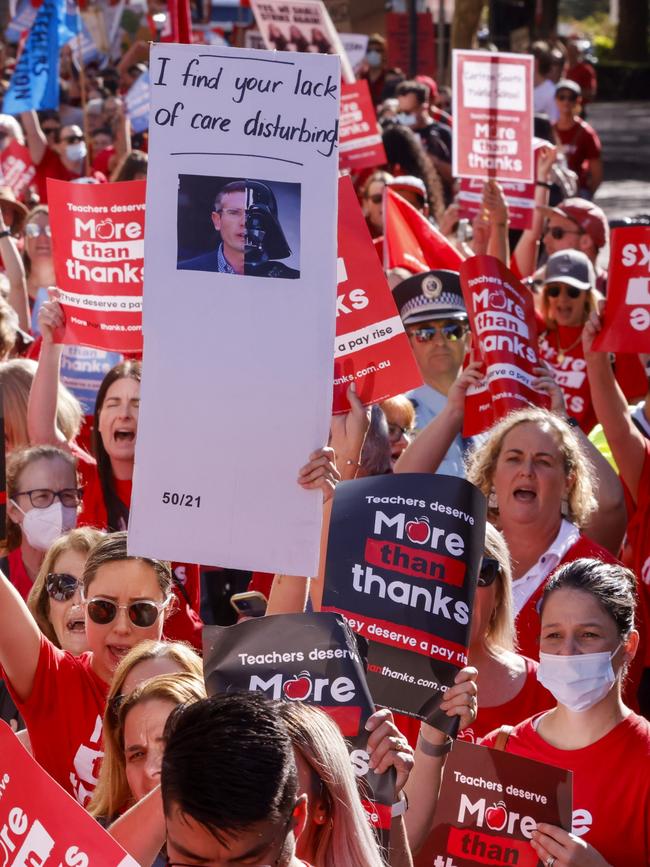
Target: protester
x,y
126,600
382,80
400,416
372,197
588,641
544,87
55,598
133,743
413,112
578,140
406,155
43,498
38,258
581,71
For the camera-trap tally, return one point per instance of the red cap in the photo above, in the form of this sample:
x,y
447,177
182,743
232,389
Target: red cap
x,y
430,83
589,217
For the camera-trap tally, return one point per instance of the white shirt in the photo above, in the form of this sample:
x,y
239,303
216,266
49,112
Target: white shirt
x,y
544,100
523,588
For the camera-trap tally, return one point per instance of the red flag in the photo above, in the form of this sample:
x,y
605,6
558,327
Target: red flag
x,y
181,21
411,242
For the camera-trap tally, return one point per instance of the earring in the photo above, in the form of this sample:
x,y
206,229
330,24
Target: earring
x,y
492,500
320,818
564,508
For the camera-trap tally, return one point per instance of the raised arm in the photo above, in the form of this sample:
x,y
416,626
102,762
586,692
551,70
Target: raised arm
x,y
495,202
20,640
36,140
525,253
43,395
425,453
628,444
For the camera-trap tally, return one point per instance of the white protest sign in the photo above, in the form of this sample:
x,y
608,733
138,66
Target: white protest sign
x,y
137,103
239,306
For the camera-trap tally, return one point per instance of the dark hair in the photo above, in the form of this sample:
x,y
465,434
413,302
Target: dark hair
x,y
232,187
229,763
419,90
103,130
111,549
131,165
404,148
117,513
613,586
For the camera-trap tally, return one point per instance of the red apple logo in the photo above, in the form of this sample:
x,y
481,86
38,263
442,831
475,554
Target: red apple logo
x,y
299,687
105,230
496,816
418,531
498,299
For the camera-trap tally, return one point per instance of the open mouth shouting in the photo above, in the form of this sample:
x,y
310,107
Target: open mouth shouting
x,y
524,494
117,652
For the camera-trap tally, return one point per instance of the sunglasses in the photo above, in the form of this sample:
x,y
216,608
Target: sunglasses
x,y
396,432
490,568
555,290
452,331
376,198
558,232
73,139
142,613
61,586
33,230
566,97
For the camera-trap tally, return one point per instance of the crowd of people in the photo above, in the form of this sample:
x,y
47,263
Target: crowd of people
x,y
100,650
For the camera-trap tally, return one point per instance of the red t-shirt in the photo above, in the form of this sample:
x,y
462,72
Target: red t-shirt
x,y
532,698
51,166
611,786
64,718
18,574
583,74
580,144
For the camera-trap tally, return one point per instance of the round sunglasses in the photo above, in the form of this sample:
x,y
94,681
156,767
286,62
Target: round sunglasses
x,y
554,290
487,575
142,613
61,586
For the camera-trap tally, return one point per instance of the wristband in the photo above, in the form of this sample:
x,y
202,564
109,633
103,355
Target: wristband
x,y
399,807
543,184
436,751
5,233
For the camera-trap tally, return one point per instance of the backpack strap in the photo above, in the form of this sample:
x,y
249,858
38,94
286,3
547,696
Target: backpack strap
x,y
502,738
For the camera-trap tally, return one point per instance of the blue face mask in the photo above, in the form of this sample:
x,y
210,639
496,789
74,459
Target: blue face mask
x,y
405,118
373,58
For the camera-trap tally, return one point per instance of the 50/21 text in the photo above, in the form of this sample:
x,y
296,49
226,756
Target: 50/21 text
x,y
173,498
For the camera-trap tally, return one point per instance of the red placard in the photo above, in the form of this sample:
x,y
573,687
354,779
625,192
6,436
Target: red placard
x,y
16,168
40,823
372,349
411,241
398,31
493,116
520,199
360,143
490,802
626,323
98,243
504,337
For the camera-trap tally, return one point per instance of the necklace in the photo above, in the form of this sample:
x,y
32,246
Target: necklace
x,y
562,351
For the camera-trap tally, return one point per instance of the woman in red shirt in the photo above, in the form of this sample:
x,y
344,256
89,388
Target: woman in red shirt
x,y
588,641
62,697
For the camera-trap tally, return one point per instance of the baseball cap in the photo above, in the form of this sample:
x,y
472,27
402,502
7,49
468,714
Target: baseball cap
x,y
571,267
409,182
431,295
567,84
589,217
430,83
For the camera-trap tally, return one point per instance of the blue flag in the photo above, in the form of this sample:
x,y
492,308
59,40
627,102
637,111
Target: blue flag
x,y
35,82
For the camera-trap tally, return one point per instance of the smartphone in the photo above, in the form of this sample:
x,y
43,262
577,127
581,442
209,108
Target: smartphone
x,y
251,604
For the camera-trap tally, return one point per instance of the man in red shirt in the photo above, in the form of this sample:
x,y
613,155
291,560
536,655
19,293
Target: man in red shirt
x,y
581,71
578,140
230,785
63,159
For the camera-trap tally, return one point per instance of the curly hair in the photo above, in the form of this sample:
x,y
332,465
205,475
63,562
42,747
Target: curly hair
x,y
481,463
404,148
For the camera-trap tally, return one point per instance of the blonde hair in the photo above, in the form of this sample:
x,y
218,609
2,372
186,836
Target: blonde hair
x,y
347,837
482,462
591,303
81,541
501,631
112,791
16,377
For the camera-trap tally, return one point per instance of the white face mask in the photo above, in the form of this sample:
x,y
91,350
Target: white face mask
x,y
373,58
405,118
580,681
76,152
42,527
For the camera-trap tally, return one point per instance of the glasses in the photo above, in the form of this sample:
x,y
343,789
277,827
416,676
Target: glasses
x,y
396,432
41,498
376,198
73,139
233,213
555,290
61,586
558,232
142,613
452,332
490,568
33,230
566,97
